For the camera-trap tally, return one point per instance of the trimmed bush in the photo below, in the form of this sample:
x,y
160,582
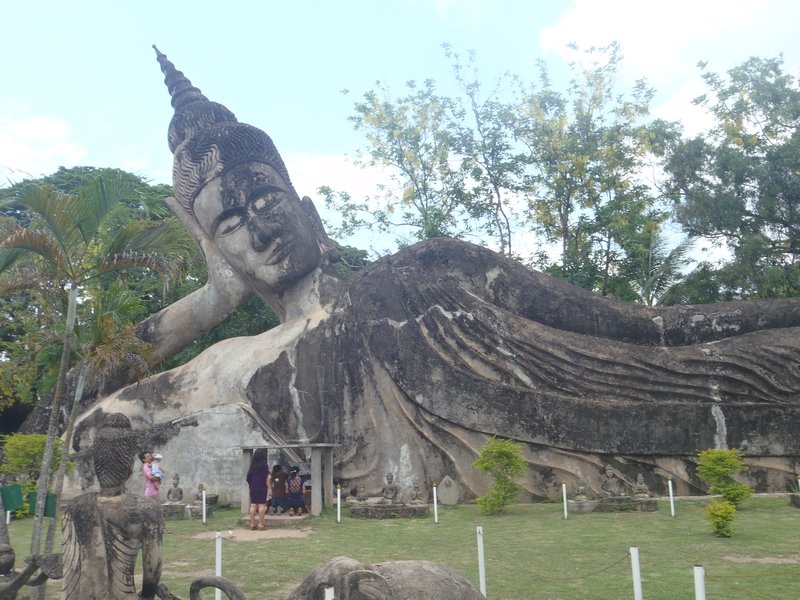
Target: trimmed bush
x,y
721,514
717,467
503,461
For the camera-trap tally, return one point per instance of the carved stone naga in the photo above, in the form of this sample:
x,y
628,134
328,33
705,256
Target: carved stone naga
x,y
427,353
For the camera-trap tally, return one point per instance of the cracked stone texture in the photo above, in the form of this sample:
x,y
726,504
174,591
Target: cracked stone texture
x,y
426,353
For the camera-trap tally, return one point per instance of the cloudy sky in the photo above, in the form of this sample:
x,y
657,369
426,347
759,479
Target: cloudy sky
x,y
81,85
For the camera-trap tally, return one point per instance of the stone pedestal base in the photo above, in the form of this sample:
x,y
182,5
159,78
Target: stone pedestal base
x,y
184,511
626,504
581,506
389,511
794,500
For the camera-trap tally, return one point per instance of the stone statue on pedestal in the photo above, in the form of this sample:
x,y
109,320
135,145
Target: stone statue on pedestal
x,y
612,486
640,489
390,491
175,493
104,532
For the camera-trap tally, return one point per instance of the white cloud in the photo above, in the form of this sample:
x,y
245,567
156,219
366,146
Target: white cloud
x,y
679,107
33,146
664,40
309,172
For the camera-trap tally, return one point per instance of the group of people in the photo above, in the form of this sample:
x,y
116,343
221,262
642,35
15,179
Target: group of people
x,y
275,491
153,472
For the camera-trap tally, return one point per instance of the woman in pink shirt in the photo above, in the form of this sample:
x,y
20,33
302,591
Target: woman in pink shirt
x,y
152,484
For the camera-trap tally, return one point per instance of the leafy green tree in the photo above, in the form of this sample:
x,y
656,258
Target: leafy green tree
x,y
584,150
411,136
22,457
503,461
67,236
717,468
484,139
739,185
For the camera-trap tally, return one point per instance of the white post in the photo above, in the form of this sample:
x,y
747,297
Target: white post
x,y
204,507
481,562
671,497
338,503
435,505
8,517
218,565
564,496
329,594
699,583
637,577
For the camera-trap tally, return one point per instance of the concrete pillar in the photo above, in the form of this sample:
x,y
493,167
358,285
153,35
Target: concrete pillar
x,y
329,490
316,482
247,456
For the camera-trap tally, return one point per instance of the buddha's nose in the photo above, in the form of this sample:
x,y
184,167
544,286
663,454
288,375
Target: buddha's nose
x,y
261,234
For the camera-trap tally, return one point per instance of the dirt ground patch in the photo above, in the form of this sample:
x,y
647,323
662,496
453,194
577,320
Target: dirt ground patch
x,y
248,535
766,560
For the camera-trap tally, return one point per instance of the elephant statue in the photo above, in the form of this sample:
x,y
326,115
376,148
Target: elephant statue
x,y
394,580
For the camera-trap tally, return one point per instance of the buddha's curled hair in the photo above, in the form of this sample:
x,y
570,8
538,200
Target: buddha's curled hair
x,y
207,140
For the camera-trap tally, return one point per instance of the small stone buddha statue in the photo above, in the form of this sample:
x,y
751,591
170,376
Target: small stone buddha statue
x,y
175,493
389,491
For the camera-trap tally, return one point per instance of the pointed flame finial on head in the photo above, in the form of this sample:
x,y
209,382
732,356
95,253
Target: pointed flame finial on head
x,y
179,86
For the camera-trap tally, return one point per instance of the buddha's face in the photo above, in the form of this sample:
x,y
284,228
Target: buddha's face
x,y
259,226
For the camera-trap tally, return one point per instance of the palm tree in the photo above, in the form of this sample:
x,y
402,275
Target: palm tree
x,y
110,343
73,246
658,268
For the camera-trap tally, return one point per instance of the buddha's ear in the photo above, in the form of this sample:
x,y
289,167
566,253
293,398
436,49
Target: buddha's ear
x,y
325,242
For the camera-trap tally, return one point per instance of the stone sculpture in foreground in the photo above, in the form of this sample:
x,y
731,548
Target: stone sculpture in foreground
x,y
104,532
415,361
393,580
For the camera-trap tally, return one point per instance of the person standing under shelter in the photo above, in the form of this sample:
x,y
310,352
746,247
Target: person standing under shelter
x,y
294,488
258,482
278,491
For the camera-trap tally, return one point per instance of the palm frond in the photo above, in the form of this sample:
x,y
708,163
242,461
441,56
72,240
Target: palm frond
x,y
39,242
166,237
98,199
170,269
21,280
58,211
124,349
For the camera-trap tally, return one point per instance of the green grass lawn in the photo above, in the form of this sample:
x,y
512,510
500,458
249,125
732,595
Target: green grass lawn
x,y
531,551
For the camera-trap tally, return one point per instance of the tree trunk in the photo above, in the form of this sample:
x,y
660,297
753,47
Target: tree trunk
x,y
52,428
62,465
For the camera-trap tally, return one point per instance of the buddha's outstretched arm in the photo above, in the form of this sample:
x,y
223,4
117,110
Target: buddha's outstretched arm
x,y
179,324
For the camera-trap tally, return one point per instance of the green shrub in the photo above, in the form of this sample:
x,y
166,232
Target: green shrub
x,y
503,461
717,467
22,461
721,513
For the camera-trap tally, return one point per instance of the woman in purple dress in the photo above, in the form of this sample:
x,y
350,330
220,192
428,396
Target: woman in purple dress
x,y
257,476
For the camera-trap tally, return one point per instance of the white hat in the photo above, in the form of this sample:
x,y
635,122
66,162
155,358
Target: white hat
x,y
157,456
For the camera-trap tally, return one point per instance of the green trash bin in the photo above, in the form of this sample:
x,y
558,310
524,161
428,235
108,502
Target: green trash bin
x,y
12,496
49,505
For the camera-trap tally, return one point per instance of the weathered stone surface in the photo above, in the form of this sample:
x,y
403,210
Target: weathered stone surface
x,y
396,580
104,532
415,361
448,492
388,511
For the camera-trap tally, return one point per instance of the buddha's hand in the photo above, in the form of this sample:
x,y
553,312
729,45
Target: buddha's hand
x,y
223,279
